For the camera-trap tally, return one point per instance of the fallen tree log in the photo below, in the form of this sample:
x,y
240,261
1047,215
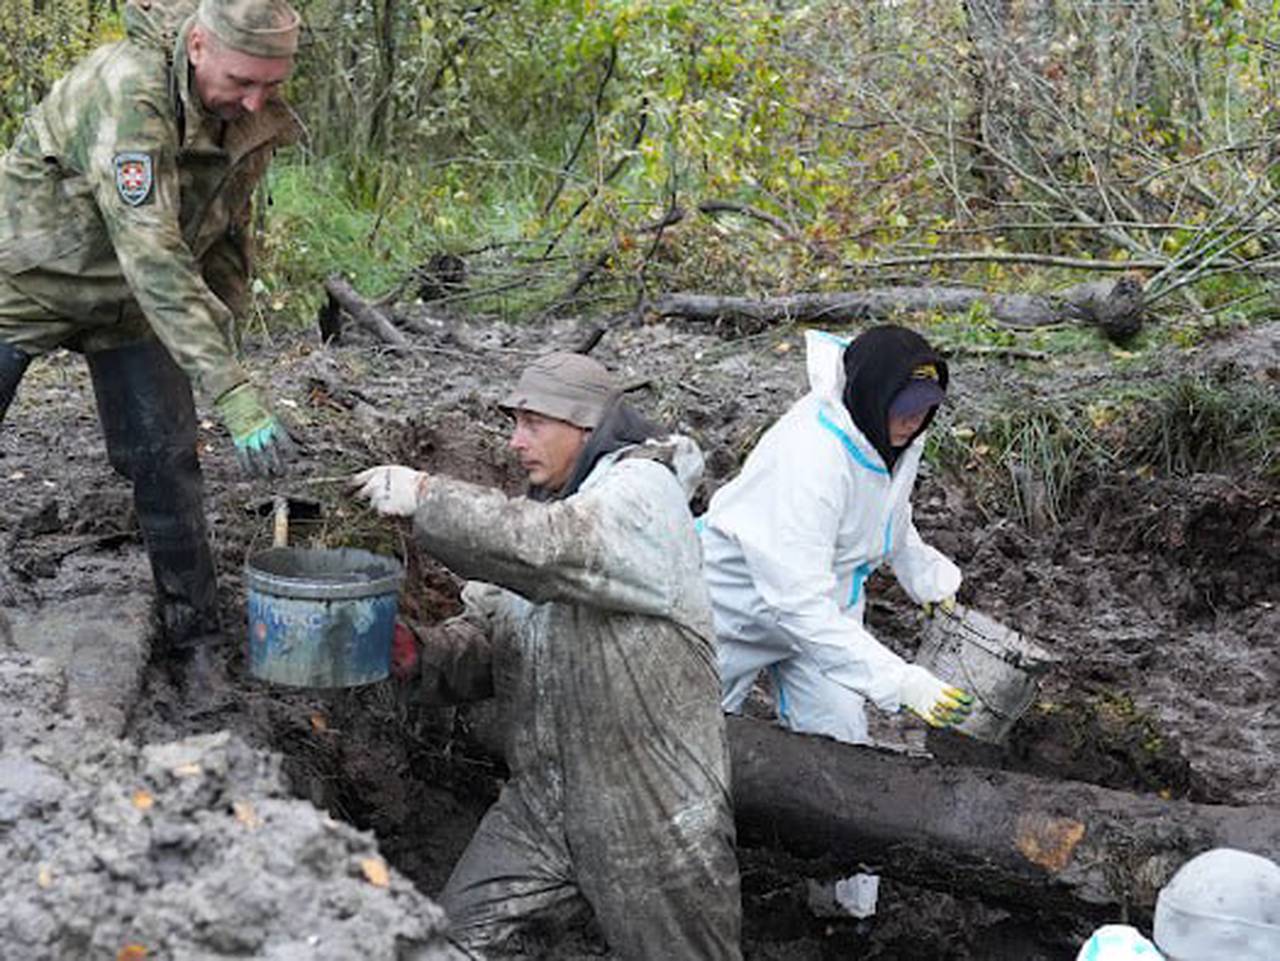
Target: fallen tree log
x,y
1053,845
1116,306
364,313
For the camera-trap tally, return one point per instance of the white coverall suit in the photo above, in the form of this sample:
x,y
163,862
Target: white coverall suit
x,y
788,546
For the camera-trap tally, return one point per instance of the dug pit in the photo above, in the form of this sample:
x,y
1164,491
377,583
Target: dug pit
x,y
1156,592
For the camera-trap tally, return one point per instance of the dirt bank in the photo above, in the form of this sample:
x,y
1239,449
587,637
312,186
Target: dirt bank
x,y
178,850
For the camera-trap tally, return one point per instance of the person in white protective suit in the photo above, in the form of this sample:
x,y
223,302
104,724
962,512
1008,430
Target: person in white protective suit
x,y
822,501
1223,905
587,618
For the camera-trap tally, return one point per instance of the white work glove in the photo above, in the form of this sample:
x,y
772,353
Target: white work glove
x,y
935,702
390,489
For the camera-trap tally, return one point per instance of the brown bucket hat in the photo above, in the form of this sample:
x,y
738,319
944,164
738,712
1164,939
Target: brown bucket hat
x,y
568,387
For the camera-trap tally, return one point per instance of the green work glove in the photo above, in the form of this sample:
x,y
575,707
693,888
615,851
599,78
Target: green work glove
x,y
262,444
947,606
934,701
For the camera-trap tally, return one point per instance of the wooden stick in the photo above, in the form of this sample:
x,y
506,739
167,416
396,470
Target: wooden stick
x,y
364,313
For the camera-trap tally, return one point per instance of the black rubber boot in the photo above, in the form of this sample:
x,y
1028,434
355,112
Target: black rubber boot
x,y
149,421
13,364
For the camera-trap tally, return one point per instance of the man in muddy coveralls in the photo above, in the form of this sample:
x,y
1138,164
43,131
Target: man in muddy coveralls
x,y
124,235
589,620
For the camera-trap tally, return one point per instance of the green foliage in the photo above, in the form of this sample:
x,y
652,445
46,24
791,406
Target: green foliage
x,y
39,41
835,119
1037,457
368,224
1195,424
1041,457
844,133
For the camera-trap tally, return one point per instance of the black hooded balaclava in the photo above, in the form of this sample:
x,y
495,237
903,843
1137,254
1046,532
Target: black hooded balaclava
x,y
878,364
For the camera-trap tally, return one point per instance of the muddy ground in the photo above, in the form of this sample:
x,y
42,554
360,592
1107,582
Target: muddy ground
x,y
1157,593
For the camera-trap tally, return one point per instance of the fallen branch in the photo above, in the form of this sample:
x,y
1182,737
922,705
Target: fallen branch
x,y
364,313
710,207
1052,846
589,340
1117,307
990,350
1005,257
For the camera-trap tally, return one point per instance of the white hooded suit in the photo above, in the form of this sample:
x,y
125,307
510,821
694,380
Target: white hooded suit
x,y
788,546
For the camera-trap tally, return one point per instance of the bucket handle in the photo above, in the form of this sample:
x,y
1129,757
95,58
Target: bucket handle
x,y
972,686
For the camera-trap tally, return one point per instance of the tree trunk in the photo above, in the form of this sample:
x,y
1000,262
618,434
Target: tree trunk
x,y
385,16
1116,306
1051,845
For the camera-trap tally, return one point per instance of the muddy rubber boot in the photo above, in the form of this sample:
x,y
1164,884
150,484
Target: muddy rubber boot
x,y
13,364
197,673
149,421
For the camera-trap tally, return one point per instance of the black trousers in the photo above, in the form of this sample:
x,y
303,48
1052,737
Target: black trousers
x,y
149,422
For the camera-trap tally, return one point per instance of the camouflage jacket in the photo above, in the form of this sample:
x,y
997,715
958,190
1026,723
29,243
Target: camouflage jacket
x,y
123,205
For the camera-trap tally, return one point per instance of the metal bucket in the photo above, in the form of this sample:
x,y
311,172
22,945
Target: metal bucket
x,y
994,663
321,618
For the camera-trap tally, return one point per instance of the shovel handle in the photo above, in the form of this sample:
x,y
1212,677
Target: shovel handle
x,y
280,523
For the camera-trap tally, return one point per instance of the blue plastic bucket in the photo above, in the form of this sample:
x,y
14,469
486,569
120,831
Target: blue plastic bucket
x,y
321,618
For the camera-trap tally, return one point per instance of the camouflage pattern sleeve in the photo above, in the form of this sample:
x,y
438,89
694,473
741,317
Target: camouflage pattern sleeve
x,y
129,149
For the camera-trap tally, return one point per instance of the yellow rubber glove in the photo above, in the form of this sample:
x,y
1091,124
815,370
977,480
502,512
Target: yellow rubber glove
x,y
947,606
934,701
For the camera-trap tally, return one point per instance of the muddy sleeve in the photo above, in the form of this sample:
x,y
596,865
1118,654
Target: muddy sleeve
x,y
130,158
456,665
622,545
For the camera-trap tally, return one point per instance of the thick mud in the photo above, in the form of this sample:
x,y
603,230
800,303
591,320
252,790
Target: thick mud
x,y
184,849
1156,593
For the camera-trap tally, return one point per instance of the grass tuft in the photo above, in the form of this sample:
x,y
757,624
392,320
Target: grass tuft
x,y
1036,461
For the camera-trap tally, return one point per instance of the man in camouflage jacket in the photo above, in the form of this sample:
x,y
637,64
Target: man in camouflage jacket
x,y
124,213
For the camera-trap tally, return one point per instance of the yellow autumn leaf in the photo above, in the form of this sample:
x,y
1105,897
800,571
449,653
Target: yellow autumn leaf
x,y
375,872
246,815
44,877
143,800
132,952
